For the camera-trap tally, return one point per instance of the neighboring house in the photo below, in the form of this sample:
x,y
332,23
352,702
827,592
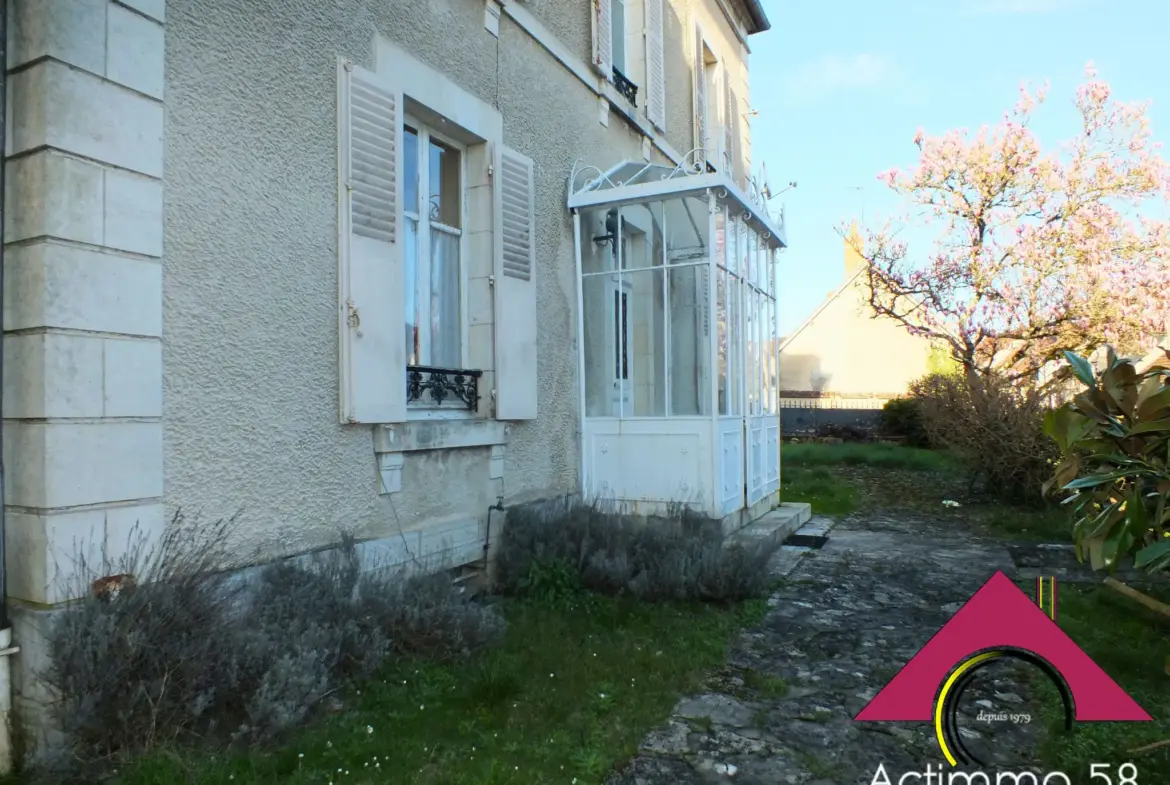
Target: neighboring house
x,y
842,357
312,264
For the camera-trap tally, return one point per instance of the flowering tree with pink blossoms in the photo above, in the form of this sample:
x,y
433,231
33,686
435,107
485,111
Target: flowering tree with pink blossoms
x,y
1036,252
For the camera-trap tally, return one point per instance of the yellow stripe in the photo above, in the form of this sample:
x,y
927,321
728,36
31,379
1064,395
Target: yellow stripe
x,y
942,699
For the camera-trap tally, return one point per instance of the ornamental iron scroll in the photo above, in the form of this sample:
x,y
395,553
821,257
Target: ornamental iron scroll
x,y
442,385
628,89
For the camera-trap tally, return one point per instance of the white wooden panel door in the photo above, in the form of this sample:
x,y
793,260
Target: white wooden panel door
x,y
731,465
757,428
772,450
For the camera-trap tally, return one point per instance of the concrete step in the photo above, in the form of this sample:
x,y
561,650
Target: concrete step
x,y
776,525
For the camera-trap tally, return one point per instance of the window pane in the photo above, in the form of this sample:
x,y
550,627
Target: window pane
x,y
641,233
751,368
410,264
410,168
618,30
644,333
598,228
735,371
690,325
686,230
599,345
444,176
446,329
721,309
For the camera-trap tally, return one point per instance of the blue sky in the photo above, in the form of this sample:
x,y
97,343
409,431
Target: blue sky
x,y
841,86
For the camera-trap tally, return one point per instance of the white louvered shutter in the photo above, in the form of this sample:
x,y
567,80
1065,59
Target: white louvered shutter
x,y
515,202
373,348
603,37
700,78
729,116
655,65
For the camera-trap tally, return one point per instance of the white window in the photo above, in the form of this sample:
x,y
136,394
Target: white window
x,y
618,35
433,207
628,51
436,250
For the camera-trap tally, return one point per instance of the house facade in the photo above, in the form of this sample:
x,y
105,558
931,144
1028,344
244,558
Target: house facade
x,y
842,363
318,265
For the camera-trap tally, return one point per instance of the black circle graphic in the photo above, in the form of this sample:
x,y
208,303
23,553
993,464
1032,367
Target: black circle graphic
x,y
950,708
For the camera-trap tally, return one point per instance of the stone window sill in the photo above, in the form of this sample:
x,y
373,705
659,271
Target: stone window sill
x,y
439,434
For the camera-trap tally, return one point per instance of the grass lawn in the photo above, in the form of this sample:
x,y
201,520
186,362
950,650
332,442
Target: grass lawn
x,y
563,699
1131,644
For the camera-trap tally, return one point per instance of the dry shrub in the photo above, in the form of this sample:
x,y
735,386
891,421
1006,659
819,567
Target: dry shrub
x,y
196,653
994,427
562,545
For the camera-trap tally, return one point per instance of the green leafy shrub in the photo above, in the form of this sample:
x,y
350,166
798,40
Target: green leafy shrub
x,y
994,427
902,418
1114,439
555,546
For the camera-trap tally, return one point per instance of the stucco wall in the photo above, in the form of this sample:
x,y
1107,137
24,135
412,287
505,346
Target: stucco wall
x,y
250,319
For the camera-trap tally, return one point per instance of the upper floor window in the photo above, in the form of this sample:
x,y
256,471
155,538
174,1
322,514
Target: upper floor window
x,y
619,37
433,181
628,51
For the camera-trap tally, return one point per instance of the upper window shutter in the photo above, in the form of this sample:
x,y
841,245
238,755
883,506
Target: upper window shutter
x,y
373,348
700,78
655,68
728,124
514,191
603,37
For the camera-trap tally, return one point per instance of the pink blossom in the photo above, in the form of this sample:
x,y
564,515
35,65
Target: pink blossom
x,y
1049,250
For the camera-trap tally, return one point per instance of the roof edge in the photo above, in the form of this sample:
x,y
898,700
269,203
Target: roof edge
x,y
760,21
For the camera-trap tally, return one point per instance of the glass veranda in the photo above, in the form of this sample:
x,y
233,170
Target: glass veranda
x,y
676,336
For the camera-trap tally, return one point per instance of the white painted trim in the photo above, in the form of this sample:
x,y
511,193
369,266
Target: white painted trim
x,y
432,89
581,392
439,435
539,33
675,186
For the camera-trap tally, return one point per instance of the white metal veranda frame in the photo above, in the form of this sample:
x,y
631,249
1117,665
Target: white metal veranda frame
x,y
676,406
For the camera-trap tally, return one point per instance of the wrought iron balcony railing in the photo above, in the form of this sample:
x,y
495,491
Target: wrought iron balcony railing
x,y
442,386
625,86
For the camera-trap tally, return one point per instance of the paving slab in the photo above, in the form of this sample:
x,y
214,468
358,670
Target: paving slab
x,y
843,620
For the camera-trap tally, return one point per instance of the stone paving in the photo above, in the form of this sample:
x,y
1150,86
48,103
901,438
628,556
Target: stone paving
x,y
844,619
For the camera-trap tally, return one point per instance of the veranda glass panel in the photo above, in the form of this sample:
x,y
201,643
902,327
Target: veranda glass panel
x,y
686,230
735,315
600,346
750,365
690,337
722,233
599,228
641,233
734,229
722,311
642,374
